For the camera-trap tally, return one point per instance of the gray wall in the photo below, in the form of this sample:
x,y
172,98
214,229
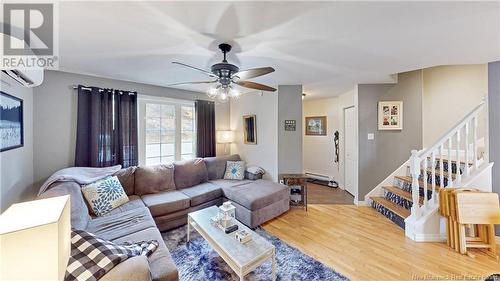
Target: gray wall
x,y
381,156
55,107
289,142
16,165
494,124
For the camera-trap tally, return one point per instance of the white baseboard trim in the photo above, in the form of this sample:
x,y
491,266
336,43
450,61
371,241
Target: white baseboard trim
x,y
430,237
361,203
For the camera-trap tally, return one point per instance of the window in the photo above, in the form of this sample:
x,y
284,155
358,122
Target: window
x,y
166,131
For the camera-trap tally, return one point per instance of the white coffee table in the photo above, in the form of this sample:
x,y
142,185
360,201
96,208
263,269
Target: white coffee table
x,y
242,258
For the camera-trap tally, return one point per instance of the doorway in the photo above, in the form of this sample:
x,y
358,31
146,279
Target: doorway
x,y
350,151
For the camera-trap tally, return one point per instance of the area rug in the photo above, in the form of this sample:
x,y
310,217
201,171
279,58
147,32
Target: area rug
x,y
197,261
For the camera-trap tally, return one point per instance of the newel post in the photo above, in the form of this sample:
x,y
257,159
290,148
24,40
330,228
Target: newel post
x,y
415,188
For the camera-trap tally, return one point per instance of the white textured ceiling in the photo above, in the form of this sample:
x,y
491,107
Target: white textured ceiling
x,y
326,46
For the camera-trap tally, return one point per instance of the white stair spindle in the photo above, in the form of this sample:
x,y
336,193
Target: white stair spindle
x,y
474,143
425,181
466,148
433,166
458,176
415,188
441,170
450,179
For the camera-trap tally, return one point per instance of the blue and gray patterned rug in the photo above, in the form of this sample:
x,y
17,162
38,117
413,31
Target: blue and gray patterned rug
x,y
197,261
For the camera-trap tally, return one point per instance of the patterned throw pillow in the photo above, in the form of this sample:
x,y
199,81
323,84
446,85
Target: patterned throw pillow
x,y
92,257
104,195
235,170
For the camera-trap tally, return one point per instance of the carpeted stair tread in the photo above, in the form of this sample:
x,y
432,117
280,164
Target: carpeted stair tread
x,y
393,207
452,161
420,182
402,193
438,173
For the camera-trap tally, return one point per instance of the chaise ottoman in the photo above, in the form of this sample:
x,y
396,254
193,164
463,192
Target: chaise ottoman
x,y
258,201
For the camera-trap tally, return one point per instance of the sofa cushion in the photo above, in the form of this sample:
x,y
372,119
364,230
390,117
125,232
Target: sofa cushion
x,y
105,195
216,166
121,224
257,194
79,212
127,179
165,202
154,179
190,172
134,202
202,193
228,183
160,262
132,269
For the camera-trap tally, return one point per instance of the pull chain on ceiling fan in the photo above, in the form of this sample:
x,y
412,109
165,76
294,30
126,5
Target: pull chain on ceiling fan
x,y
225,75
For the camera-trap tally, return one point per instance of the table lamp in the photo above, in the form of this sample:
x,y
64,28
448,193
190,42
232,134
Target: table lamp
x,y
35,240
225,137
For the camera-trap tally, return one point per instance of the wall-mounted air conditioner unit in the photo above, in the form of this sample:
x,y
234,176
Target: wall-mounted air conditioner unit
x,y
26,77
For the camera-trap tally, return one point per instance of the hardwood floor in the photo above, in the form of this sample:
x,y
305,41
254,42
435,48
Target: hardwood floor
x,y
320,194
362,244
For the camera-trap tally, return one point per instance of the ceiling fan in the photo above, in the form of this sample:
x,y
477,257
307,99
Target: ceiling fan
x,y
225,75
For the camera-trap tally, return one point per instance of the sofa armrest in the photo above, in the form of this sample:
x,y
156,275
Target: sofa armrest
x,y
132,269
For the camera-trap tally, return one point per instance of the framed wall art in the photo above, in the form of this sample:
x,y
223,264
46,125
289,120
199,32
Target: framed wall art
x,y
250,129
11,122
390,115
316,126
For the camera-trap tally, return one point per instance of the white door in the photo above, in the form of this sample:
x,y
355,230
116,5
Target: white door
x,y
350,150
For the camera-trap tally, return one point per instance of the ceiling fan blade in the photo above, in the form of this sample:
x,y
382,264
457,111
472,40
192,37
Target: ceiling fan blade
x,y
257,86
254,72
192,83
195,68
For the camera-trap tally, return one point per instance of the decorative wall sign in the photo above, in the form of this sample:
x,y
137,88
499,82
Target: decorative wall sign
x,y
316,126
290,125
11,122
390,115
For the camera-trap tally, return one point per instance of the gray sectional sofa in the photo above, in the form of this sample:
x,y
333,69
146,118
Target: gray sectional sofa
x,y
160,198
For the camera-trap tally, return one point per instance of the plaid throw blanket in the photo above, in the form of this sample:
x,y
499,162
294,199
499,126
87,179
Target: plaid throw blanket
x,y
92,257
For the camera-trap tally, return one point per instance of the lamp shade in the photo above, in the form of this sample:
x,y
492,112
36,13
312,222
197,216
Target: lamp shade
x,y
35,240
225,136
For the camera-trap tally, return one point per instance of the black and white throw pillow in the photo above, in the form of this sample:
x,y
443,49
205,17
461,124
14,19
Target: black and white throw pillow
x,y
92,257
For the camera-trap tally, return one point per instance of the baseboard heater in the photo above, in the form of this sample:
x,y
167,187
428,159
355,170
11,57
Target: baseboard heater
x,y
322,179
318,177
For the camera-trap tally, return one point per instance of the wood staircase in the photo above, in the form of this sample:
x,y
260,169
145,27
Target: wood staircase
x,y
397,201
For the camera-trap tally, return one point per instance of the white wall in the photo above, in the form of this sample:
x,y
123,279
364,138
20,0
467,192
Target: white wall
x,y
348,99
319,151
449,93
264,153
16,165
55,108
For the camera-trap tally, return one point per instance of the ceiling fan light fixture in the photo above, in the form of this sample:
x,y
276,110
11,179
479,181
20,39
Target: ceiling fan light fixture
x,y
223,97
234,93
212,92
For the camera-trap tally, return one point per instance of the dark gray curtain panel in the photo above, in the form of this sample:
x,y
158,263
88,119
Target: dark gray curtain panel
x,y
126,117
106,128
205,128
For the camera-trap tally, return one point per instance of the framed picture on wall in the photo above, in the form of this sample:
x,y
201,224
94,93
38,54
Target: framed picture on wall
x,y
316,126
11,122
390,115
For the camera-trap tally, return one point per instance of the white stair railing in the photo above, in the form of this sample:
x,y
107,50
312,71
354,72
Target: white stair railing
x,y
424,162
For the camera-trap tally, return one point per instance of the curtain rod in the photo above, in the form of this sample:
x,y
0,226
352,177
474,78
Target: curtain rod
x,y
100,90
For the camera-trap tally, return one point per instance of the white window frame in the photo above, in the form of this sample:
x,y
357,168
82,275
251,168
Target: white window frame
x,y
141,113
